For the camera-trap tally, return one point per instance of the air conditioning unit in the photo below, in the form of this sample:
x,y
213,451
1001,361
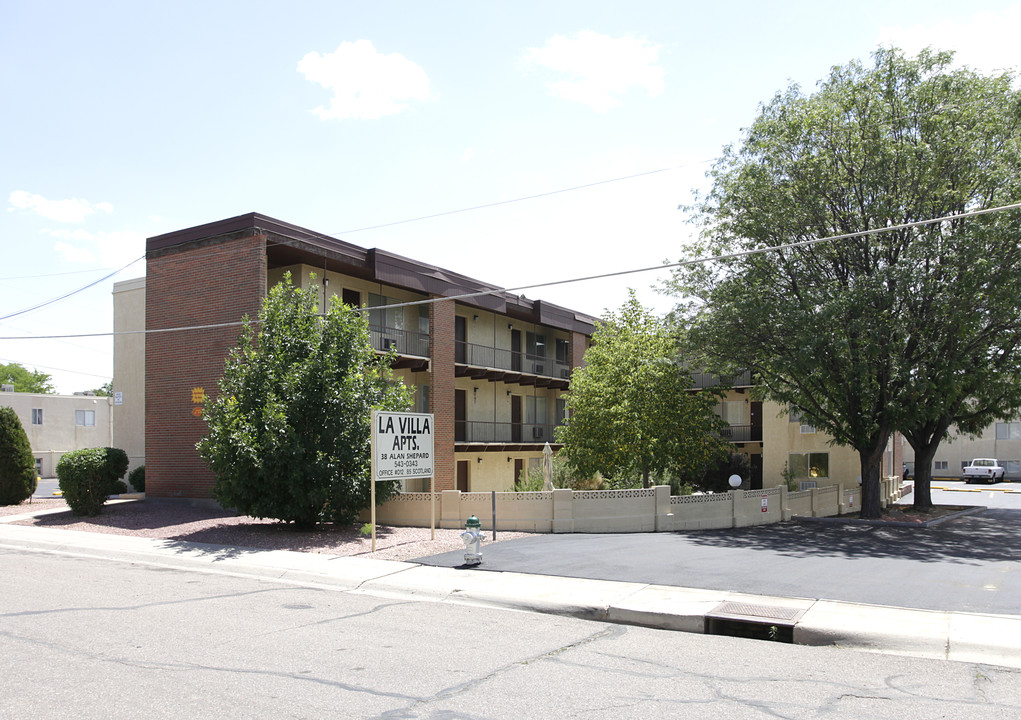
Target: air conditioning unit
x,y
808,484
389,344
565,373
537,433
6,388
538,368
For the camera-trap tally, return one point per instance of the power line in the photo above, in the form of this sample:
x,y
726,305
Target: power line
x,y
520,199
44,367
73,292
619,273
48,275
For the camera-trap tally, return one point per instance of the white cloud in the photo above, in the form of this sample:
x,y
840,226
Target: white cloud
x,y
365,84
467,155
986,41
599,67
69,211
110,249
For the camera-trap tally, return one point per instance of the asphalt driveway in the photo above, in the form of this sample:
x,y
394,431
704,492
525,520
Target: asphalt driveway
x,y
966,564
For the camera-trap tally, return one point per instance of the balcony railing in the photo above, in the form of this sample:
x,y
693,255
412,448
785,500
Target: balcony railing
x,y
503,432
403,342
701,381
742,433
514,361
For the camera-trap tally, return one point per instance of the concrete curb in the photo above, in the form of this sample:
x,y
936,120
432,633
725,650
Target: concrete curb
x,y
965,637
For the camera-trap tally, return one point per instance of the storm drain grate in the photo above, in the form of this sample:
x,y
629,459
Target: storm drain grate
x,y
758,622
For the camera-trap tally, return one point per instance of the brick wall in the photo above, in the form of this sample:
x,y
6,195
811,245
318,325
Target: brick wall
x,y
578,347
441,351
204,283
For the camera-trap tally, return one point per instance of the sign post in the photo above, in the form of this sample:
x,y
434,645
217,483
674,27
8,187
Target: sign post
x,y
402,449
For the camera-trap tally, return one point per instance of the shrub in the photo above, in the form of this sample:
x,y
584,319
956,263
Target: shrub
x,y
17,466
115,465
118,487
84,480
137,478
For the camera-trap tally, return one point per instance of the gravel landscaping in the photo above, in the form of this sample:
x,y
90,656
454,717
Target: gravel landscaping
x,y
188,522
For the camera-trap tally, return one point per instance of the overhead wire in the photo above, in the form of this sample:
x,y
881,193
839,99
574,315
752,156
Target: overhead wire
x,y
533,286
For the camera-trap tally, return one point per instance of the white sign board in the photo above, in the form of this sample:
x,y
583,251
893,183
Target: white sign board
x,y
118,398
402,445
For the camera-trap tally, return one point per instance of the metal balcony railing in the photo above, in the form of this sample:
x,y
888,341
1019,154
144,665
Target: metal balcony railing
x,y
503,432
486,356
701,381
403,342
742,433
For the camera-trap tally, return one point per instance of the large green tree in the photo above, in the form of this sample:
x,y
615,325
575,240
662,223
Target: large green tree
x,y
289,431
24,380
631,412
912,329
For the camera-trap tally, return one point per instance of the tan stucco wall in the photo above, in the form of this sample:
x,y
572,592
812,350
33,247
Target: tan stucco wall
x,y
58,434
780,438
129,369
959,450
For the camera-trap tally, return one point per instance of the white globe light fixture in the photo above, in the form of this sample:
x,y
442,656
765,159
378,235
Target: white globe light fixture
x,y
735,481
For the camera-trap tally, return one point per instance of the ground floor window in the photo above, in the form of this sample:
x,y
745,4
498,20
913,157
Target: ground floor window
x,y
809,465
1012,467
39,467
941,465
85,417
37,416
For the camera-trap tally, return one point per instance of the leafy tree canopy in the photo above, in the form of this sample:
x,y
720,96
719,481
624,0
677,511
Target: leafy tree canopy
x,y
631,412
289,431
902,329
25,381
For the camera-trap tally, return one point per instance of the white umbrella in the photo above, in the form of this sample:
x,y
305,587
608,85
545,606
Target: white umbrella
x,y
547,468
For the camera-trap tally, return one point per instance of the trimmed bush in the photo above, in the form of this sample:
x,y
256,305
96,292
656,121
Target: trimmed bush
x,y
84,480
17,465
115,465
137,478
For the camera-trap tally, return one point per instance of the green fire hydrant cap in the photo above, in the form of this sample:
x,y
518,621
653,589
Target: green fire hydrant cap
x,y
473,522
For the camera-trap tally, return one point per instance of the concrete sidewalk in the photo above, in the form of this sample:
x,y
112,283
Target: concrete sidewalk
x,y
958,636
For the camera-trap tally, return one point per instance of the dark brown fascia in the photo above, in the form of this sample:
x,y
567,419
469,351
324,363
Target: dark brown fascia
x,y
290,245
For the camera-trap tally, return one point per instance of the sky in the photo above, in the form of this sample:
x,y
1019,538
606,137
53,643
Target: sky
x,y
550,140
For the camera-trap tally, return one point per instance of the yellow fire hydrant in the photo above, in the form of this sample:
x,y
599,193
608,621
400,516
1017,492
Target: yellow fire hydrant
x,y
473,537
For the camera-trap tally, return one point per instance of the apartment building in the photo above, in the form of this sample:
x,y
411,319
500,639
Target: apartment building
x,y
492,366
1000,440
56,424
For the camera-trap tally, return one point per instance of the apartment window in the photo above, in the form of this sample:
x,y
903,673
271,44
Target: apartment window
x,y
535,345
85,418
562,351
561,410
535,410
37,416
806,429
422,404
809,465
1008,431
1012,467
392,318
733,412
39,467
941,465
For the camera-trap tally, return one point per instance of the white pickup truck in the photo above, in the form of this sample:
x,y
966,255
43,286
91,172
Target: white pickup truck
x,y
984,469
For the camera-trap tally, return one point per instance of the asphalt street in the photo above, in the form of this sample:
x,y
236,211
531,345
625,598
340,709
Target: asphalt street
x,y
968,564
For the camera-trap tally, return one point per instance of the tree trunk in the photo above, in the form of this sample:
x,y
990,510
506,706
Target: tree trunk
x,y
871,505
645,478
923,475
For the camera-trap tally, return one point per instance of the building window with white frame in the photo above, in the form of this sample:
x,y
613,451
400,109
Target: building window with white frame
x,y
85,418
941,465
37,416
1008,431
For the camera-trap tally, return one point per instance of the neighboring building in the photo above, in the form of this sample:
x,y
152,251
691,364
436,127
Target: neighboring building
x,y
1000,440
56,424
491,367
776,440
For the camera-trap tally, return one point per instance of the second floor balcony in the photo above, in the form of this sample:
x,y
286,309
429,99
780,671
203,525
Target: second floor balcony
x,y
412,347
487,362
504,433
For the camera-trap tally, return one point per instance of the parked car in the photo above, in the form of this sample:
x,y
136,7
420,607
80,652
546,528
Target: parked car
x,y
984,469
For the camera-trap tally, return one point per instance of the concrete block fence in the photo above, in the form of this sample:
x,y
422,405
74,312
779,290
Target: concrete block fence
x,y
620,511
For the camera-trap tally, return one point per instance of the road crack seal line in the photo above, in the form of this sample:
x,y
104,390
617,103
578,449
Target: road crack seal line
x,y
455,690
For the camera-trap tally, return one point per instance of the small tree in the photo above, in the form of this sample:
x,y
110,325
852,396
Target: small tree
x,y
17,466
631,412
84,477
289,432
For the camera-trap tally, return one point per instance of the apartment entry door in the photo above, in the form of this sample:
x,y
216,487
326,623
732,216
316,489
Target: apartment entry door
x,y
519,467
516,350
460,340
460,416
516,418
463,467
